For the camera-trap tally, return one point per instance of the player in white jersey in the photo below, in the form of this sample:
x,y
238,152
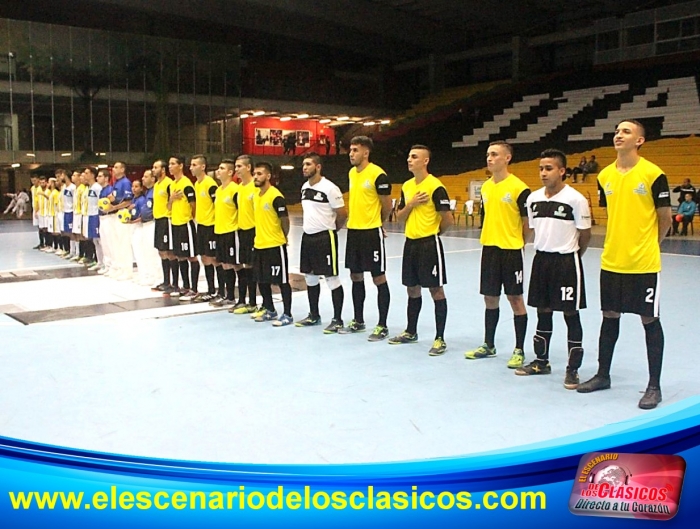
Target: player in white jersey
x,y
324,214
561,220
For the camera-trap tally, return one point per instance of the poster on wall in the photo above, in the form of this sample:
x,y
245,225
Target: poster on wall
x,y
303,138
276,137
262,136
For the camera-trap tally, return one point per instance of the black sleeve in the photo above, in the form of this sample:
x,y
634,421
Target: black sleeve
x,y
168,190
441,200
659,189
212,192
602,199
189,193
522,202
677,189
382,185
402,201
235,199
280,207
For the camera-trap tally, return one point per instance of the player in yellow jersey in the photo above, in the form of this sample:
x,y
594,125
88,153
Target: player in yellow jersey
x,y
225,226
245,237
35,211
638,201
504,232
270,260
205,193
182,205
425,208
163,237
369,207
41,203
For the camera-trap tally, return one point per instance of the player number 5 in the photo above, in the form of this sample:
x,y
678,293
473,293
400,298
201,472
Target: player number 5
x,y
376,256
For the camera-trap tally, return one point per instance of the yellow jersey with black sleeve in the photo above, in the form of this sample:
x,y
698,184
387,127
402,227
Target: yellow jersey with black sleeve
x,y
181,212
269,209
206,194
78,202
632,234
35,199
226,209
365,206
504,206
161,194
41,201
424,219
247,194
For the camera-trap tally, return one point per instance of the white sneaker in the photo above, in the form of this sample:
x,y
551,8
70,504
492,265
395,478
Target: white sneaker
x,y
95,267
103,271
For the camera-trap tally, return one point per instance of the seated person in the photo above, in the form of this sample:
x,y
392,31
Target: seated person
x,y
686,211
591,167
687,187
578,169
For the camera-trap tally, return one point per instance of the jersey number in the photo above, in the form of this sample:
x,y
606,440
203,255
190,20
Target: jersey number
x,y
376,256
434,272
650,295
275,270
184,246
567,293
518,277
328,258
212,245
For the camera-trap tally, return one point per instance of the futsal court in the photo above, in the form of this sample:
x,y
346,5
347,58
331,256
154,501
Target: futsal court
x,y
94,363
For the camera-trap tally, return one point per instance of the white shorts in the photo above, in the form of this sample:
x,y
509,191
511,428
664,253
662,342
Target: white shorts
x,y
35,219
58,223
84,227
77,224
49,224
42,222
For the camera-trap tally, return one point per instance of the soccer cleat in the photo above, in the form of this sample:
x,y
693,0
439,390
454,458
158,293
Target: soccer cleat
x,y
597,383
37,247
95,268
285,320
651,398
309,321
404,337
333,327
266,315
102,271
188,296
483,351
378,334
439,347
259,311
241,307
75,258
571,379
353,327
536,367
217,302
203,297
517,359
245,309
160,288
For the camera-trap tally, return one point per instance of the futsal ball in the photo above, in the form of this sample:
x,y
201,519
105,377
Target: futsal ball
x,y
124,216
103,204
679,218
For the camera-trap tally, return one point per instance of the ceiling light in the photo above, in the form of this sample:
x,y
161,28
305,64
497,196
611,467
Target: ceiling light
x,y
385,121
302,116
15,165
103,166
243,116
324,120
343,118
287,167
369,123
258,113
285,118
64,154
31,154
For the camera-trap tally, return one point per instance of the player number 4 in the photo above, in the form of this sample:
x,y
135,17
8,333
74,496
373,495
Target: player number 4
x,y
434,272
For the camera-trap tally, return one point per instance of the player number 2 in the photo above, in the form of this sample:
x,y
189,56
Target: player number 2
x,y
650,296
567,293
519,276
275,270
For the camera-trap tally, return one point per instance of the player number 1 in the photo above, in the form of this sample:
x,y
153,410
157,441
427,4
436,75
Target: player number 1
x,y
328,257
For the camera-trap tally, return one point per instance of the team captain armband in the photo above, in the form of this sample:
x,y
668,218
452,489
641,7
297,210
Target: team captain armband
x,y
382,185
661,192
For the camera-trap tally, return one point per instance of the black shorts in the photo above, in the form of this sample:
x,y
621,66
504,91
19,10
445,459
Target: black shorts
x,y
185,240
423,263
501,267
364,252
631,293
244,246
206,241
226,247
271,265
163,240
557,282
319,253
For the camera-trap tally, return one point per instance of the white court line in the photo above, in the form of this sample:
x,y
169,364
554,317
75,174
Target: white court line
x,y
35,268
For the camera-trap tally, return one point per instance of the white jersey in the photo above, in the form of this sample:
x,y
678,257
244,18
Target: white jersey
x,y
556,220
93,198
319,203
68,195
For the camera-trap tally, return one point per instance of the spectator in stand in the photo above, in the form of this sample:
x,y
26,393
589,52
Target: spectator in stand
x,y
687,187
591,167
579,169
686,212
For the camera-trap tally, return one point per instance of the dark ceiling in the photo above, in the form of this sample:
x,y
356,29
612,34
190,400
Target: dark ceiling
x,y
356,32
